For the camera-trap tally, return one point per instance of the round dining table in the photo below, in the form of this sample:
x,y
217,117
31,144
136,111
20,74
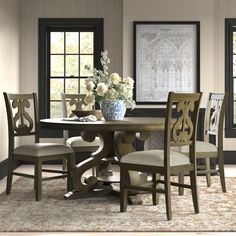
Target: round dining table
x,y
117,138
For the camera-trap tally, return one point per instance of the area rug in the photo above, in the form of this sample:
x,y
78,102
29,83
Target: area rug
x,y
20,212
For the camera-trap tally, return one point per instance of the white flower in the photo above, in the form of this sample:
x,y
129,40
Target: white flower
x,y
90,98
129,81
102,86
101,89
90,85
115,78
112,94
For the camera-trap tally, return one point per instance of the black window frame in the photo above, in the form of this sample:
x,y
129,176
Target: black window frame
x,y
230,127
45,26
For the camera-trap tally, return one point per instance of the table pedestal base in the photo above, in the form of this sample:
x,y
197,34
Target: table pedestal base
x,y
118,144
100,191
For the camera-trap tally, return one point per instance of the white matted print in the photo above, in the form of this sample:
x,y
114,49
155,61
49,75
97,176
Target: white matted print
x,y
166,59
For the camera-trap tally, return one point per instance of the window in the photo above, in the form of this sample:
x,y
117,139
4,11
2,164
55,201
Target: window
x,y
65,47
230,77
69,53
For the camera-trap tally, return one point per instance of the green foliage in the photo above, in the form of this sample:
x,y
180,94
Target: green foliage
x,y
102,86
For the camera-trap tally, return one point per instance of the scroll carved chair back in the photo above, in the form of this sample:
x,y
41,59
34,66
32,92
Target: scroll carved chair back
x,y
72,102
214,117
183,131
22,116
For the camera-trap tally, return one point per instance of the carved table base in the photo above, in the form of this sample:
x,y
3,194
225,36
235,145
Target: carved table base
x,y
117,144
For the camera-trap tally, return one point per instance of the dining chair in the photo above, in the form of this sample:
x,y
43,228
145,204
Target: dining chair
x,y
213,127
23,121
179,130
72,102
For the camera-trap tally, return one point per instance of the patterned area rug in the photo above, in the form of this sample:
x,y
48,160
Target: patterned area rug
x,y
19,211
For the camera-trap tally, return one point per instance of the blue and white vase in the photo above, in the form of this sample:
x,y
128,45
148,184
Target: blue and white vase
x,y
113,110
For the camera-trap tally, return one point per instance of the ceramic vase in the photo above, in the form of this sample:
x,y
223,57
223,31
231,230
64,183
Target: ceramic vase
x,y
113,110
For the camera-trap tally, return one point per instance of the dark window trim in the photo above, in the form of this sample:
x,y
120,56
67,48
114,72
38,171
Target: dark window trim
x,y
44,27
230,128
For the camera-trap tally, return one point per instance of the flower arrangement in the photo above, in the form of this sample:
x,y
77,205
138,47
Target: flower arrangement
x,y
102,86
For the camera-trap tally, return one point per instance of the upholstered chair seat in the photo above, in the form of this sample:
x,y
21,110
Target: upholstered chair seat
x,y
77,141
155,158
201,149
42,149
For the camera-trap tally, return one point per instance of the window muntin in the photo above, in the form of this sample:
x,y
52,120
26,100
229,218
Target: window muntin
x,y
52,83
69,53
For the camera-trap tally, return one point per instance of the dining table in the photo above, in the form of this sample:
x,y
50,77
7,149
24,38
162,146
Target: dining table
x,y
117,138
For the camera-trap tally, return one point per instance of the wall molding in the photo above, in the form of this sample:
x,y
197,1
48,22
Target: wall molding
x,y
3,168
230,157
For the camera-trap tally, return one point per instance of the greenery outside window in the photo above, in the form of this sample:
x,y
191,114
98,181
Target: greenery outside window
x,y
230,77
65,47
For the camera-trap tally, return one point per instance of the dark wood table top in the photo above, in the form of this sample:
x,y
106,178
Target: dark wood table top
x,y
132,124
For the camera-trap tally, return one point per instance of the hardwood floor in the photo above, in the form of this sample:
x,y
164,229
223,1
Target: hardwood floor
x,y
230,170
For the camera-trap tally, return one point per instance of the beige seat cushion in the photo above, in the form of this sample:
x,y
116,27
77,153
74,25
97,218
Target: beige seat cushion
x,y
42,149
202,148
79,142
155,158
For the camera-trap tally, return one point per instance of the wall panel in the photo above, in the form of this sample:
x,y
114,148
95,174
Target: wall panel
x,y
31,10
9,62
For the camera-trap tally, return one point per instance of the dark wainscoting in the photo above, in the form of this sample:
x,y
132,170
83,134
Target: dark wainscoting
x,y
230,157
3,168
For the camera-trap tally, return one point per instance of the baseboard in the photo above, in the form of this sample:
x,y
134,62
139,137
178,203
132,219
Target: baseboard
x,y
3,168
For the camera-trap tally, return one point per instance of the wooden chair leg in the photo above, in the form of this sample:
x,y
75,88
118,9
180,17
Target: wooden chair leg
x,y
70,165
222,172
168,197
181,181
94,171
208,169
193,182
64,164
155,196
9,175
38,180
123,191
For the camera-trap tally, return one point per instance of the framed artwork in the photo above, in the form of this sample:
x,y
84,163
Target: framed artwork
x,y
166,58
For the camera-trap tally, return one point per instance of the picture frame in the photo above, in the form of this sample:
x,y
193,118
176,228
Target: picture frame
x,y
166,58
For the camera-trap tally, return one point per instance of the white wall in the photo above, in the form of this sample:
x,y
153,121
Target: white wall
x,y
31,10
173,10
210,13
9,62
